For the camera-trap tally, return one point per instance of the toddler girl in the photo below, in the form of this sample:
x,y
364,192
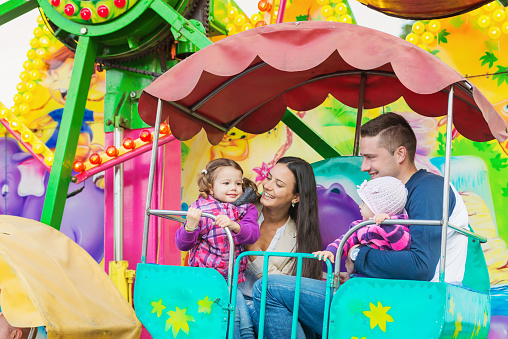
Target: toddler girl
x,y
382,198
220,186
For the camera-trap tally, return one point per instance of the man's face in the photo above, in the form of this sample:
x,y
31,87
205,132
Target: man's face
x,y
378,161
5,329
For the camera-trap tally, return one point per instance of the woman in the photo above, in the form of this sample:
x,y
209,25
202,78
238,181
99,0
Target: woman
x,y
288,222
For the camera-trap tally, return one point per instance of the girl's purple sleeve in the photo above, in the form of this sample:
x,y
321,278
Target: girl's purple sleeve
x,y
186,240
249,227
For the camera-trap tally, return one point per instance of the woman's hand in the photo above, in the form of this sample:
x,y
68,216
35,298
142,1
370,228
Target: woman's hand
x,y
193,218
323,255
223,222
379,218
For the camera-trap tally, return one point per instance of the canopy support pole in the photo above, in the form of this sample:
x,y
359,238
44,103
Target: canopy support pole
x,y
359,114
151,175
118,200
446,188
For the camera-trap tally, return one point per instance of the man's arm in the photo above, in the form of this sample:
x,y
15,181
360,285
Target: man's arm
x,y
419,263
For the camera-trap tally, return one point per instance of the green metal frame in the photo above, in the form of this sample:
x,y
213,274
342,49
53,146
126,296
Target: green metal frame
x,y
70,127
12,9
311,137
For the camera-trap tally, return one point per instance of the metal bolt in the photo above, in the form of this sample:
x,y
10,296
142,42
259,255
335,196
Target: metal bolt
x,y
93,322
83,30
133,94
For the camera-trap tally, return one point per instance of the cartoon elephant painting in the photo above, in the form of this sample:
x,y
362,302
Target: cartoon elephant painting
x,y
24,180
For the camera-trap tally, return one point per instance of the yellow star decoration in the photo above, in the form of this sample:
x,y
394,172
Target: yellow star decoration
x,y
178,321
157,307
452,306
358,338
458,325
485,319
478,326
378,316
205,305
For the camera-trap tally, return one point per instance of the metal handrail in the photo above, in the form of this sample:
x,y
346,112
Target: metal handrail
x,y
168,213
299,256
340,249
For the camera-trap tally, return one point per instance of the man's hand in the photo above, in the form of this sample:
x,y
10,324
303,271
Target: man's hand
x,y
223,222
343,277
379,218
193,218
323,255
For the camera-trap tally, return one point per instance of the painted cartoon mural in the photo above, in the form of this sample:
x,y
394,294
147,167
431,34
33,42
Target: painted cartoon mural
x,y
38,105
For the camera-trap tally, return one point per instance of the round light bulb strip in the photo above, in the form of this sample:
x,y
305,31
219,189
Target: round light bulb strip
x,y
492,19
28,139
129,145
92,11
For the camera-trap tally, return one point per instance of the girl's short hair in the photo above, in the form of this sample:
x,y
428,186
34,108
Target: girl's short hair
x,y
209,174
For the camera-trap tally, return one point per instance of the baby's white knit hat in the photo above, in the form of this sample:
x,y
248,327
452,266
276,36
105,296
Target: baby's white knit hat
x,y
384,195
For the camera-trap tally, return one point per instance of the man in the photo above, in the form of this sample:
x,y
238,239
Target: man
x,y
388,146
7,331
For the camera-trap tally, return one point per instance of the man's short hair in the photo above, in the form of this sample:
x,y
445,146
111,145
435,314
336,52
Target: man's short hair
x,y
394,131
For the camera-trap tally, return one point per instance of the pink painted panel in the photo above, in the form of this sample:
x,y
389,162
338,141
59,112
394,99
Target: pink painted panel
x,y
167,195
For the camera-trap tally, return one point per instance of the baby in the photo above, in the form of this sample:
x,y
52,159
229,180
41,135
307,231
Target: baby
x,y
382,198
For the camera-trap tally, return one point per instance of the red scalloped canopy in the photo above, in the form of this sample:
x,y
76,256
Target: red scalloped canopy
x,y
423,9
255,75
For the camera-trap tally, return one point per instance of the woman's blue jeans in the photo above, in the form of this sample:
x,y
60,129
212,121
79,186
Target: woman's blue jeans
x,y
280,297
245,317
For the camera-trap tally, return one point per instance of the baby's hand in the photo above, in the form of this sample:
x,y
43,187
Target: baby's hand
x,y
379,218
223,221
323,255
193,217
343,277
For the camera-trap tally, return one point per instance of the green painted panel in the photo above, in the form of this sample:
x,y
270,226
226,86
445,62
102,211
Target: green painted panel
x,y
467,314
377,308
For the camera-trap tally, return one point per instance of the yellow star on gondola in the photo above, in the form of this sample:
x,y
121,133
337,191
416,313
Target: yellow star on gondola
x,y
157,307
452,306
358,338
478,326
378,316
205,305
485,319
178,320
458,325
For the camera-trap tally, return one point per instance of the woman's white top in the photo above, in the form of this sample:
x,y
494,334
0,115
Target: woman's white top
x,y
255,268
